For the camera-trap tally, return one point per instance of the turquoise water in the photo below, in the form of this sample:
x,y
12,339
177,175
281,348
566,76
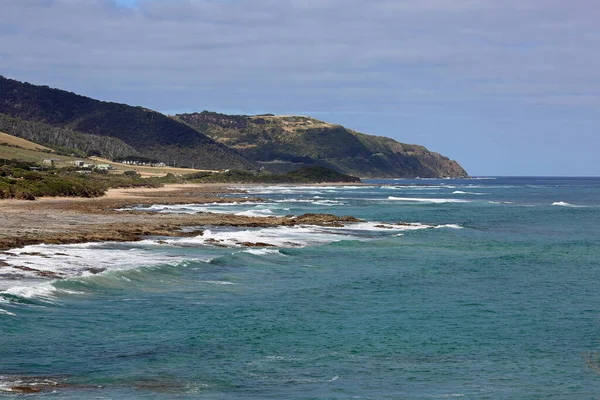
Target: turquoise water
x,y
491,292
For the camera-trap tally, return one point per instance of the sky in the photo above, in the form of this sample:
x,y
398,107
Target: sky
x,y
505,87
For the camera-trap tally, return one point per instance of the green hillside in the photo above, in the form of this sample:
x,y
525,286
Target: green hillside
x,y
66,141
151,133
283,143
74,124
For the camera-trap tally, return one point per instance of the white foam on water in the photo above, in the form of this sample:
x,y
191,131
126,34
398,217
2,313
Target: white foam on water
x,y
451,226
4,312
414,187
298,236
218,282
328,203
284,189
77,259
73,261
43,291
427,200
565,204
468,193
257,213
215,208
262,252
280,237
383,227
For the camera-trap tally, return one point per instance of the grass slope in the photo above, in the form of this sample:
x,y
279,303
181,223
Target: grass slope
x,y
281,143
9,140
29,152
151,133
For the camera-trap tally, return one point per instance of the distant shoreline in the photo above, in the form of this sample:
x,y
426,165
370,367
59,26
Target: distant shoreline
x,y
64,220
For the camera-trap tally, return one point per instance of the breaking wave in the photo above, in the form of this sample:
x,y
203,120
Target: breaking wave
x,y
427,200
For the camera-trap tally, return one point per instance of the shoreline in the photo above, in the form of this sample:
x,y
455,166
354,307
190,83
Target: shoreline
x,y
69,220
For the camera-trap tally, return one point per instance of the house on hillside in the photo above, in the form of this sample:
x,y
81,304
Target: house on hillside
x,y
104,167
78,163
50,161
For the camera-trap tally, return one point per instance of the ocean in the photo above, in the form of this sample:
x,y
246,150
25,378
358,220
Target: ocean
x,y
482,288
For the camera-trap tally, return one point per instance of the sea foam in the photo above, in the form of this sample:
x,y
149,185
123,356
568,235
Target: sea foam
x,y
468,193
564,204
427,200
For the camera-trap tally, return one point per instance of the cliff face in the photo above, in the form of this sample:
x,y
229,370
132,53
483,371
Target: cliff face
x,y
151,133
285,142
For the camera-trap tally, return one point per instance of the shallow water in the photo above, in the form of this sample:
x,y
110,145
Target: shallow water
x,y
487,290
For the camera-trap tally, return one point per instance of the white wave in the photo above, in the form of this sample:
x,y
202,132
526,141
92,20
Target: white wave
x,y
565,204
427,200
76,259
44,291
279,237
298,236
414,187
383,227
215,208
218,282
328,203
471,193
41,263
284,189
262,252
256,213
451,226
4,312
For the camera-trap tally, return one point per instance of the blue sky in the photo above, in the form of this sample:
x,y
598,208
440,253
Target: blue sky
x,y
504,87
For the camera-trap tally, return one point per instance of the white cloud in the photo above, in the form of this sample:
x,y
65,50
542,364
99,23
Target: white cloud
x,y
352,56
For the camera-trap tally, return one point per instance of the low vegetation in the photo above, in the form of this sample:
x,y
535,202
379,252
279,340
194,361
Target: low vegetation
x,y
19,181
313,174
26,181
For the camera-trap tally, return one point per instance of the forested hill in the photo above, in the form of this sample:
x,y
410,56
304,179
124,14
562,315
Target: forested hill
x,y
209,140
285,142
151,133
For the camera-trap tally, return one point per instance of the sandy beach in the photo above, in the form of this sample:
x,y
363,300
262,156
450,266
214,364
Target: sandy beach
x,y
78,220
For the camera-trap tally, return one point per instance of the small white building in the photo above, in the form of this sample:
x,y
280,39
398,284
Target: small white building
x,y
104,167
79,163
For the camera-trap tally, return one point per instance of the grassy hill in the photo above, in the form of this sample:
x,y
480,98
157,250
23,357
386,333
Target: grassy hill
x,y
14,148
152,134
282,143
74,124
13,141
